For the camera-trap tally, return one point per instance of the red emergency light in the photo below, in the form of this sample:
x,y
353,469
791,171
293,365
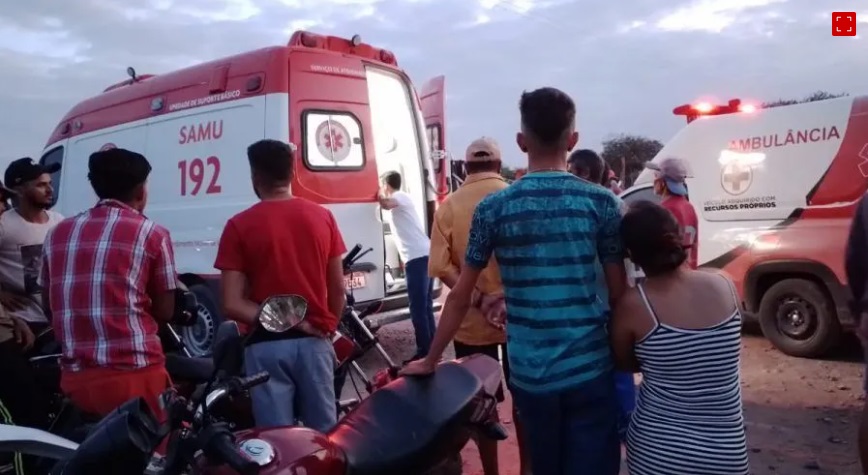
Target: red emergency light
x,y
694,111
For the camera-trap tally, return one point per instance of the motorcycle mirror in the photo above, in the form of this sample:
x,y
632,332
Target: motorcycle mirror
x,y
282,313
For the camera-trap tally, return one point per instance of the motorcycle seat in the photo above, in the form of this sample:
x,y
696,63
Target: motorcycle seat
x,y
409,424
184,368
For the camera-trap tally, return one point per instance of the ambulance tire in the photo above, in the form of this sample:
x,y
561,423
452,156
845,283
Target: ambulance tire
x,y
199,338
798,317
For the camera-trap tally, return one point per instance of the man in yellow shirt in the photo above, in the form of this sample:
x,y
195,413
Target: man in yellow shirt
x,y
448,245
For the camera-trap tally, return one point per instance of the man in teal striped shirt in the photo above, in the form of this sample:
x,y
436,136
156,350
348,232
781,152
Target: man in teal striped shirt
x,y
546,231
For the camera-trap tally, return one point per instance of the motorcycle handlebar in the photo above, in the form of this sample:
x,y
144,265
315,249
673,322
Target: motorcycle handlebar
x,y
230,388
354,255
250,381
351,256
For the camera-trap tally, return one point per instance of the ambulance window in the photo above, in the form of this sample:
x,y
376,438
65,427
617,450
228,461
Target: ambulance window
x,y
54,155
333,141
434,137
642,194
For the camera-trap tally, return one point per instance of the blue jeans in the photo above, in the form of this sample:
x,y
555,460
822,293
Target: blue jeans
x,y
625,388
420,292
301,387
572,432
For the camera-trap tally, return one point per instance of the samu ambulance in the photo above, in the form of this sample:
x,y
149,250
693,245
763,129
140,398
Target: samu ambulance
x,y
775,191
347,107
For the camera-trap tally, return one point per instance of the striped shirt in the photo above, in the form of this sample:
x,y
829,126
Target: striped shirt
x,y
99,269
688,417
546,232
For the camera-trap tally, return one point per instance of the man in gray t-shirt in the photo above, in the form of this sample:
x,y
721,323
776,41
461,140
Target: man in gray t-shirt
x,y
22,234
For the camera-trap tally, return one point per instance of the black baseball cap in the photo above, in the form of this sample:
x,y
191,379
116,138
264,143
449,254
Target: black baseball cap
x,y
115,171
25,169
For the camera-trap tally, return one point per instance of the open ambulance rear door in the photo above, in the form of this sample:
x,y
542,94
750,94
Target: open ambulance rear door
x,y
432,96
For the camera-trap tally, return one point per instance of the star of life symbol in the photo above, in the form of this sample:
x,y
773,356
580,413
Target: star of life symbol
x,y
333,141
736,178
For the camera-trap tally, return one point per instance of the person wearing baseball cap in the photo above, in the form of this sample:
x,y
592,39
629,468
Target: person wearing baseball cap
x,y
22,234
109,273
449,237
670,182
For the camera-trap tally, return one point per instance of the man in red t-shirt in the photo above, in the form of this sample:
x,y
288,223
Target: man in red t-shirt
x,y
279,246
670,183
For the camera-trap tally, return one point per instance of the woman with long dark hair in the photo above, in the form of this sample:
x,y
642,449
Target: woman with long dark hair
x,y
682,329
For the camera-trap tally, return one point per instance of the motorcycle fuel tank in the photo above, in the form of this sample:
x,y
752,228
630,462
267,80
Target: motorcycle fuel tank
x,y
284,451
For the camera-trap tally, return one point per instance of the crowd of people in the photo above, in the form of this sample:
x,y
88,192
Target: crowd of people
x,y
537,275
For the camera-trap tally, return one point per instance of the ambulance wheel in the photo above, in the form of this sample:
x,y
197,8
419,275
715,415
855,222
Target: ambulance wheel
x,y
199,337
799,318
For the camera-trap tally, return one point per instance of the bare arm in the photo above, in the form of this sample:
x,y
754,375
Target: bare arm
x,y
616,281
163,305
386,202
622,336
454,311
337,295
236,305
479,251
610,250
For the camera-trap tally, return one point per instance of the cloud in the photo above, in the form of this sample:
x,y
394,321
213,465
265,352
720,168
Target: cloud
x,y
627,64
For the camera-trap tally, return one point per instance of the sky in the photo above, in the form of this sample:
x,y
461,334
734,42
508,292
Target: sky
x,y
625,63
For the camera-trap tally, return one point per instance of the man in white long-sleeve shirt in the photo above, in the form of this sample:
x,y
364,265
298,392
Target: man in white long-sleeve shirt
x,y
414,247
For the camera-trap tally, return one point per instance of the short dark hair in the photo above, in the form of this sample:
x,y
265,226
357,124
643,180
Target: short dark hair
x,y
115,173
482,167
650,232
393,179
547,114
607,170
589,162
271,160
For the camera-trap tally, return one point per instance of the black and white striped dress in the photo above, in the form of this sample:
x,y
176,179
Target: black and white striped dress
x,y
688,418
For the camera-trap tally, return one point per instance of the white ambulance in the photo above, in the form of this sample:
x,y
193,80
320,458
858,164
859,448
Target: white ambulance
x,y
775,191
351,112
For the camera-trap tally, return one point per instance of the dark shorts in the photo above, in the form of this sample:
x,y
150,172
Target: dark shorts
x,y
462,350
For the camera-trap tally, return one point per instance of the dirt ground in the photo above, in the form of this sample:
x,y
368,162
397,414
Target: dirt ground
x,y
801,415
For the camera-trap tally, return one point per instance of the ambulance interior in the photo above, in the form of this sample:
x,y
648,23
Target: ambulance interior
x,y
396,124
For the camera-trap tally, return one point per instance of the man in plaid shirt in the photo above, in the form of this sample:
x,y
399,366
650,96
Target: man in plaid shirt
x,y
108,275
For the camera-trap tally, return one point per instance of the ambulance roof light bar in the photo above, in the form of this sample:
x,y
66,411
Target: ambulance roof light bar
x,y
694,111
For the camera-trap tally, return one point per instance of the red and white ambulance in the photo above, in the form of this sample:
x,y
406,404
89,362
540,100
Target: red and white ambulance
x,y
350,110
775,191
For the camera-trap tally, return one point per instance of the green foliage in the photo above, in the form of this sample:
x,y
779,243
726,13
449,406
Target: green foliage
x,y
815,96
627,154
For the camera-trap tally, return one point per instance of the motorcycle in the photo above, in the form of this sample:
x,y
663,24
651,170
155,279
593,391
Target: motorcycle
x,y
354,339
409,426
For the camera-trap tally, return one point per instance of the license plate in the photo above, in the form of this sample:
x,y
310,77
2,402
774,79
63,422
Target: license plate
x,y
355,281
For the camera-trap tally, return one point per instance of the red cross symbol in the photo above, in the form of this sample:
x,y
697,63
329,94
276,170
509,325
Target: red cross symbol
x,y
735,177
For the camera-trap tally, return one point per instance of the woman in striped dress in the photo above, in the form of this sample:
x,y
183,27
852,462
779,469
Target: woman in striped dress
x,y
682,329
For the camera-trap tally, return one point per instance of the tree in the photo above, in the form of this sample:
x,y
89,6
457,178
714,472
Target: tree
x,y
815,96
508,173
627,154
